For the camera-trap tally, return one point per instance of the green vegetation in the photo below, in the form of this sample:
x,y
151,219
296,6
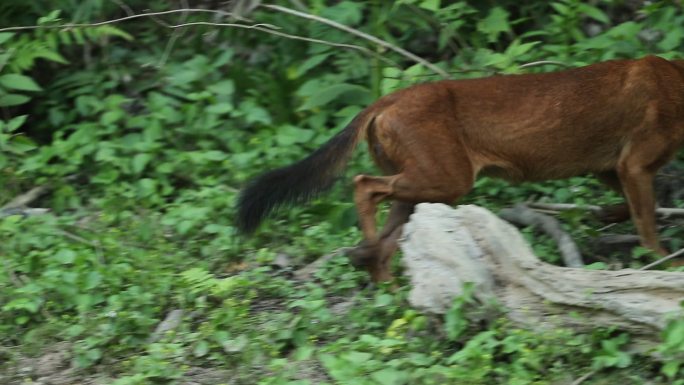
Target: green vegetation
x,y
143,135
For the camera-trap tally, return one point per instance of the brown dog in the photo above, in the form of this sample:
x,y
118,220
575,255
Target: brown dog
x,y
621,120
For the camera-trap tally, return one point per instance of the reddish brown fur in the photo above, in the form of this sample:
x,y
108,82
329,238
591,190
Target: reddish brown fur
x,y
621,120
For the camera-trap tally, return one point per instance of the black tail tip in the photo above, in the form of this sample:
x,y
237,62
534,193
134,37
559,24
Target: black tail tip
x,y
246,226
253,206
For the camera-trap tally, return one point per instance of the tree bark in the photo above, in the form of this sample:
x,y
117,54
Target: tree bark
x,y
444,248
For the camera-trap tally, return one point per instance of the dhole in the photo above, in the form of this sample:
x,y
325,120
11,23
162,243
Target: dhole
x,y
620,120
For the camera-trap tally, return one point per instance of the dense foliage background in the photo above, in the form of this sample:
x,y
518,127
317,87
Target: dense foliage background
x,y
139,137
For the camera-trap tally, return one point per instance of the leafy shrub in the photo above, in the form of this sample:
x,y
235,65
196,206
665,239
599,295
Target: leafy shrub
x,y
145,135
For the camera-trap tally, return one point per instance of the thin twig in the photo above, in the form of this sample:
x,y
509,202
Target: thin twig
x,y
606,227
77,238
263,27
113,21
96,245
23,211
563,206
11,274
174,37
358,33
260,27
26,198
583,378
124,6
664,259
543,62
306,272
662,211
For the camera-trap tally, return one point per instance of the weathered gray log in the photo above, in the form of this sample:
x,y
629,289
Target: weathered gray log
x,y
445,248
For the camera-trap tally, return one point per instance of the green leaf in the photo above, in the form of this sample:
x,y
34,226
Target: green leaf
x,y
670,369
51,55
345,12
181,78
253,113
22,304
78,36
84,301
111,117
110,30
308,64
22,144
430,5
672,40
184,226
626,30
288,135
215,155
640,251
560,8
19,82
224,87
93,280
673,336
351,92
517,49
146,187
4,36
50,17
495,23
201,348
358,358
139,162
106,176
16,122
65,256
596,266
235,345
8,100
383,300
390,377
220,108
593,12
93,354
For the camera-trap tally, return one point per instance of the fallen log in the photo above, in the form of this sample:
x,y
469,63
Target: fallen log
x,y
445,248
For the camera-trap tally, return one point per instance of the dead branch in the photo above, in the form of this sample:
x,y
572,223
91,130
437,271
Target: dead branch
x,y
172,320
24,212
445,248
614,243
664,259
583,378
543,62
306,272
174,37
661,211
523,215
26,198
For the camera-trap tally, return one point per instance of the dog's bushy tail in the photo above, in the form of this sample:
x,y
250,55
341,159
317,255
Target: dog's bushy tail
x,y
298,182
